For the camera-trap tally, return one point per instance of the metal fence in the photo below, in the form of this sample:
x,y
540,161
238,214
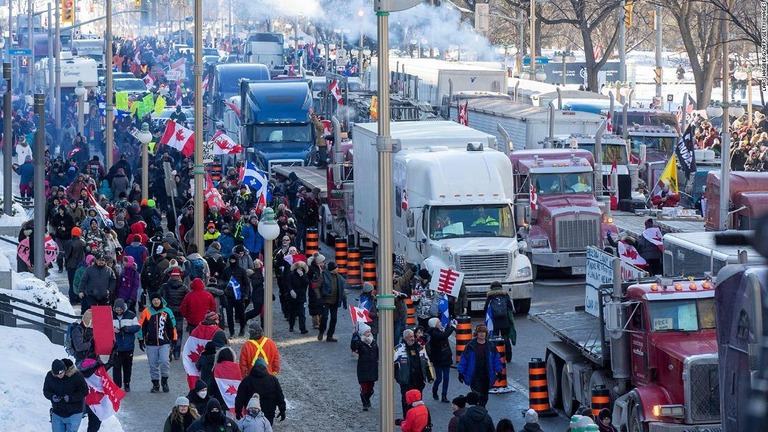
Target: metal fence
x,y
15,312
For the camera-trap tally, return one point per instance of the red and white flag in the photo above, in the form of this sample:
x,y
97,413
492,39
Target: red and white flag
x,y
177,95
227,377
630,255
534,197
336,92
223,144
149,81
653,235
137,57
448,281
103,213
179,137
290,259
609,123
614,169
193,348
179,64
211,194
233,107
464,114
103,394
359,315
205,83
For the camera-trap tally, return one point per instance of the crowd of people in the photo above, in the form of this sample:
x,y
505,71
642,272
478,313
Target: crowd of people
x,y
748,141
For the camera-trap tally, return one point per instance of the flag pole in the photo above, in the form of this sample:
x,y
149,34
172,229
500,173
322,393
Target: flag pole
x,y
199,168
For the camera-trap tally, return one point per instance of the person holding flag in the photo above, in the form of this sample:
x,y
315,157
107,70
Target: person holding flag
x,y
480,364
226,377
665,193
368,302
499,317
236,284
440,353
364,344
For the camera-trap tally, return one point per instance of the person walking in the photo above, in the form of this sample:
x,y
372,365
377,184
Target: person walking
x,y
298,283
316,266
74,255
441,356
412,367
333,295
158,332
198,396
174,292
62,224
480,364
66,388
476,419
82,339
182,416
257,292
254,419
97,284
364,344
267,386
257,347
500,309
532,422
237,287
418,418
214,420
196,304
458,407
126,326
128,284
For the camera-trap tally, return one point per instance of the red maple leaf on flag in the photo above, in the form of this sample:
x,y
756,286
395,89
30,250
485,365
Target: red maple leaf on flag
x,y
630,253
231,390
180,135
195,355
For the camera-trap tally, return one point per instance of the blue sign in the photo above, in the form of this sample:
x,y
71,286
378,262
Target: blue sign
x,y
20,51
539,61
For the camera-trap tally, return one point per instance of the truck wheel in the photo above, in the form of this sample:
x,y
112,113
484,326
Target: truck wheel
x,y
554,369
569,402
635,422
522,306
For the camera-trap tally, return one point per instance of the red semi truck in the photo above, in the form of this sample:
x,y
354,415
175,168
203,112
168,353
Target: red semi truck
x,y
748,199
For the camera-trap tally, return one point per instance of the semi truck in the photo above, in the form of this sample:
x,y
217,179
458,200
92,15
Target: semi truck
x,y
653,347
224,84
73,69
453,205
697,254
555,207
267,49
526,125
748,199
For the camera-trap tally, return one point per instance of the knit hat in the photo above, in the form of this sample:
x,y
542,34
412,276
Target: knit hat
x,y
320,259
473,398
332,266
460,401
260,362
88,259
367,287
155,296
433,322
57,367
211,316
255,331
254,402
649,223
182,401
77,232
211,225
531,416
175,272
363,327
200,384
424,274
119,304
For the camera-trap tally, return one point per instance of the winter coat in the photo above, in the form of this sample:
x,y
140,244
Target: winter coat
x,y
227,243
179,426
78,277
257,423
206,424
98,282
298,283
22,151
158,326
120,184
72,385
197,303
453,423
401,285
152,285
252,240
74,252
367,359
215,261
240,276
403,364
439,348
249,353
205,365
467,362
266,385
128,286
139,228
315,276
257,287
195,399
532,427
138,252
325,290
173,293
128,324
417,417
62,225
509,323
82,340
476,419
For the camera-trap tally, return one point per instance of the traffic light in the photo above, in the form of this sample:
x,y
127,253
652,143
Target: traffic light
x,y
628,13
67,11
137,3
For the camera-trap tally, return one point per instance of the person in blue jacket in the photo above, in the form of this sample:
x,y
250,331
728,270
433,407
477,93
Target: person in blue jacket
x,y
126,326
252,240
26,172
480,364
226,240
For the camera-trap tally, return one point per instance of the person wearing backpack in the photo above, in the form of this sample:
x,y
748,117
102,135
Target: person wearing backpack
x,y
173,292
196,266
81,343
126,326
98,284
500,309
152,274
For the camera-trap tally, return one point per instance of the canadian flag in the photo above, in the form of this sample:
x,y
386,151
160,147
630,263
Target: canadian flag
x,y
653,235
205,83
464,114
227,377
223,144
614,168
359,315
233,107
149,81
104,395
448,281
211,194
177,95
193,348
290,259
609,123
336,92
630,255
179,137
534,198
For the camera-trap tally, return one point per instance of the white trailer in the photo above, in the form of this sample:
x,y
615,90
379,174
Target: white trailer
x,y
446,177
73,69
526,125
695,254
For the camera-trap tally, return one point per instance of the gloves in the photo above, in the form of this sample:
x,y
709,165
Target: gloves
x,y
293,294
56,398
281,416
142,346
66,398
461,378
454,323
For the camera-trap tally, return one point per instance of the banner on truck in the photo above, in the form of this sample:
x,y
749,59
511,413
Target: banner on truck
x,y
600,272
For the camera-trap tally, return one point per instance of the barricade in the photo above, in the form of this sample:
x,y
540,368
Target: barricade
x,y
410,318
312,242
353,269
601,398
463,334
341,255
369,270
538,396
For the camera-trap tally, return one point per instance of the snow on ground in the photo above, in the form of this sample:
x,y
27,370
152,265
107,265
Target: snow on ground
x,y
27,357
16,218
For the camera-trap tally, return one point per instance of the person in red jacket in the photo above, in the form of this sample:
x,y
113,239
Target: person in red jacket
x,y
196,304
417,418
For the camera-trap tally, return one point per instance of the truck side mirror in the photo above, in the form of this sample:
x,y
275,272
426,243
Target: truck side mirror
x,y
409,223
613,319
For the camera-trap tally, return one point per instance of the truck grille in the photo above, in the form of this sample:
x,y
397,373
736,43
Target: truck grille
x,y
482,268
704,392
576,235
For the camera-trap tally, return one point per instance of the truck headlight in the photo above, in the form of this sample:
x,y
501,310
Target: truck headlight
x,y
524,272
538,242
668,411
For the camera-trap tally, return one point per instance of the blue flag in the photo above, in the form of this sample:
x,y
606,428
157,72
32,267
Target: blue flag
x,y
235,285
443,306
489,320
258,181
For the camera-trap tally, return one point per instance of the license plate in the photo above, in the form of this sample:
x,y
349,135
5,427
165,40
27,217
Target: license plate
x,y
579,270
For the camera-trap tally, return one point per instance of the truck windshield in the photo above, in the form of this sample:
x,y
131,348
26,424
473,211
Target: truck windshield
x,y
282,133
682,315
611,153
556,184
655,144
471,221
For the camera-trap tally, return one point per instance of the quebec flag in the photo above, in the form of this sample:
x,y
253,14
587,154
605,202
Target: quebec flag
x,y
258,181
235,285
489,320
443,306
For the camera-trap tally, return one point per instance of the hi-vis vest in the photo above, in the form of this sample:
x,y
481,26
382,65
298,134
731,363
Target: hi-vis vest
x,y
259,350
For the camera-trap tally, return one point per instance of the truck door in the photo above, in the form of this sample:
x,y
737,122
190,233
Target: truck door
x,y
639,343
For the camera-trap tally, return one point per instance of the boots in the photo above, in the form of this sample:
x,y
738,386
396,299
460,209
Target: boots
x,y
368,399
434,394
242,331
165,385
127,387
315,321
364,400
155,386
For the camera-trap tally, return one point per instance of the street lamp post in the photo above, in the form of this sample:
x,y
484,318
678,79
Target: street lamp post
x,y
80,93
108,108
144,136
7,142
268,229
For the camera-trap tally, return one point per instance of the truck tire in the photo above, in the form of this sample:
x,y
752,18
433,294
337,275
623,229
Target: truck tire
x,y
635,422
522,306
554,370
570,404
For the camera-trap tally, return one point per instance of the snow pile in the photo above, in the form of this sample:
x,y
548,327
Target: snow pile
x,y
28,288
16,218
5,260
27,357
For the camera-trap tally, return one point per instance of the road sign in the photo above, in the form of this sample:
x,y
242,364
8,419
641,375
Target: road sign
x,y
20,51
539,61
670,97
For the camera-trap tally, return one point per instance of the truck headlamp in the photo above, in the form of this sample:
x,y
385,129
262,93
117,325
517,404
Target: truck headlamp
x,y
668,411
524,272
538,242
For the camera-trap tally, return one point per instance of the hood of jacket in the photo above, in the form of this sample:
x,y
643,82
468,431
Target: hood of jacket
x,y
258,370
495,293
154,310
138,227
213,253
131,262
476,413
412,396
197,285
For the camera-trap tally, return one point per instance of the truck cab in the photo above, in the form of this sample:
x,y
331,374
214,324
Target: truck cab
x,y
225,84
557,213
748,199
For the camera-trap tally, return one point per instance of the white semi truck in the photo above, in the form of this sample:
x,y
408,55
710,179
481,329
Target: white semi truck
x,y
453,196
